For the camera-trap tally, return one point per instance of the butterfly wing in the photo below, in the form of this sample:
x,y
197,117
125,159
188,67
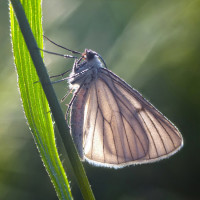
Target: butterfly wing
x,y
120,127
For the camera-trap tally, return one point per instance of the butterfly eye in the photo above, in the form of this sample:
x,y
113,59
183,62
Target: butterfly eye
x,y
90,54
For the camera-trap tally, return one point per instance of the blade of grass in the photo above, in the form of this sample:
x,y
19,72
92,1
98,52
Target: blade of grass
x,y
34,101
31,100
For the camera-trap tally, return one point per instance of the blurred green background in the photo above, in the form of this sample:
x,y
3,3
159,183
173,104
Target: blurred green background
x,y
153,45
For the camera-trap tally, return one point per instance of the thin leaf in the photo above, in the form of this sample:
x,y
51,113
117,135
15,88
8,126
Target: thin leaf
x,y
34,100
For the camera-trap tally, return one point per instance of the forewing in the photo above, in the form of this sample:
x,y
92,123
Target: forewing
x,y
112,134
158,137
114,126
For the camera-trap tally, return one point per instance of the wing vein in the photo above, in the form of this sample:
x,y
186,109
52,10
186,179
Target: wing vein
x,y
94,126
126,135
102,119
168,133
94,132
156,130
125,117
114,144
121,120
149,134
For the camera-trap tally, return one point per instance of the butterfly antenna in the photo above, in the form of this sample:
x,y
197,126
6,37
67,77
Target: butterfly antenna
x,y
58,75
58,54
75,52
102,60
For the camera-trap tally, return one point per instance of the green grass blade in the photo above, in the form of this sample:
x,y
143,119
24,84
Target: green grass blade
x,y
34,100
77,166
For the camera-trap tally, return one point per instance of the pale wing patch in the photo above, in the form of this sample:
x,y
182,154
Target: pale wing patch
x,y
97,140
90,115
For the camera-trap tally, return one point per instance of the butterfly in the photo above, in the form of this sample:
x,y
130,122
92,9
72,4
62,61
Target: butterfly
x,y
112,125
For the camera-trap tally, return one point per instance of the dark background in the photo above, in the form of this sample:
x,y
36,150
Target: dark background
x,y
153,45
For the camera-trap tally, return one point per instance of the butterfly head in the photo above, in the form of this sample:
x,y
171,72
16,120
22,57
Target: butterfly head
x,y
89,54
89,59
86,67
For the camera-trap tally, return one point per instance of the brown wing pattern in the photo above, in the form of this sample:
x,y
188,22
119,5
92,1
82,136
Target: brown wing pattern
x,y
121,128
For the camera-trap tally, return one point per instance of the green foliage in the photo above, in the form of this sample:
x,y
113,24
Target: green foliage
x,y
34,100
